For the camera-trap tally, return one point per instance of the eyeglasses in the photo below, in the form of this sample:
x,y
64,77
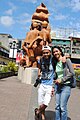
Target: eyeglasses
x,y
45,52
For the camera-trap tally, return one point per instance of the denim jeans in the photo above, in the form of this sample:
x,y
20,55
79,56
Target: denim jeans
x,y
62,96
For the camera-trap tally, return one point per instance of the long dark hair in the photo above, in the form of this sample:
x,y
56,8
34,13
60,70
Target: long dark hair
x,y
59,48
54,60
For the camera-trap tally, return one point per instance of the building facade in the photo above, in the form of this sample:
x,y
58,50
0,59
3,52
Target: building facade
x,y
6,40
70,47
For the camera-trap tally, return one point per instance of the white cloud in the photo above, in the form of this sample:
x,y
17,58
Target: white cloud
x,y
32,1
75,25
9,12
75,4
24,18
26,15
25,21
6,21
12,8
60,17
71,23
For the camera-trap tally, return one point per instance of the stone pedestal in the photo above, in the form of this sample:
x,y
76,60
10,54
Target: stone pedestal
x,y
27,75
20,73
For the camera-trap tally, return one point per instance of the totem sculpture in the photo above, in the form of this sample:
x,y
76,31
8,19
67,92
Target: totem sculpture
x,y
37,37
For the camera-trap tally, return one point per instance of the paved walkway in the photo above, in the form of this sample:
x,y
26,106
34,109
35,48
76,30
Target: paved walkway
x,y
18,101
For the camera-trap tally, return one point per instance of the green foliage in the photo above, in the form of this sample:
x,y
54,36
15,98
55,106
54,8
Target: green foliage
x,y
7,68
0,43
77,72
0,67
12,66
75,40
4,69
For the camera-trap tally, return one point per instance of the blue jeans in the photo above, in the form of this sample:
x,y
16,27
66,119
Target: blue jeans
x,y
62,96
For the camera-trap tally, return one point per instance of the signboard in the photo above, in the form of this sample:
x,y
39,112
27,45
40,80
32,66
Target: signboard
x,y
13,53
18,57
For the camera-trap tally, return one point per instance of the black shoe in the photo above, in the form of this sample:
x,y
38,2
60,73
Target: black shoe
x,y
36,115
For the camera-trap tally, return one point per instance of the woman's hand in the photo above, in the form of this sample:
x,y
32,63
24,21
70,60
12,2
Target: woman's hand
x,y
63,59
58,81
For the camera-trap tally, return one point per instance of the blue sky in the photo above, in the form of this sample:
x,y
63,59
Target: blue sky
x,y
15,15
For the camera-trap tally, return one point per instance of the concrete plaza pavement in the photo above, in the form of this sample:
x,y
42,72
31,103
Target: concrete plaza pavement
x,y
18,101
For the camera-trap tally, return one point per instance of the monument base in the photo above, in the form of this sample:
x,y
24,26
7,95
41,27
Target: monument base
x,y
27,75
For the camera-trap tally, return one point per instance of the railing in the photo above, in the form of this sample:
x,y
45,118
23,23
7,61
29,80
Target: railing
x,y
73,55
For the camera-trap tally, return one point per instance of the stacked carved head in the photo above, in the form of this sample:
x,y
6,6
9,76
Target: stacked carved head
x,y
41,15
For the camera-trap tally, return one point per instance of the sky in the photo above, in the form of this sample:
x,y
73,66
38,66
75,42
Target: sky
x,y
16,15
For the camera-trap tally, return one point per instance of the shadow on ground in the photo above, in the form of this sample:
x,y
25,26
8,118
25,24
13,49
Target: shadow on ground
x,y
69,118
50,115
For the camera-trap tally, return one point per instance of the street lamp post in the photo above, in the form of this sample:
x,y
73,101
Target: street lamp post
x,y
13,49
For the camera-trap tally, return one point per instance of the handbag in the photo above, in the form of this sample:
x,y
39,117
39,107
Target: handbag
x,y
72,79
73,82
